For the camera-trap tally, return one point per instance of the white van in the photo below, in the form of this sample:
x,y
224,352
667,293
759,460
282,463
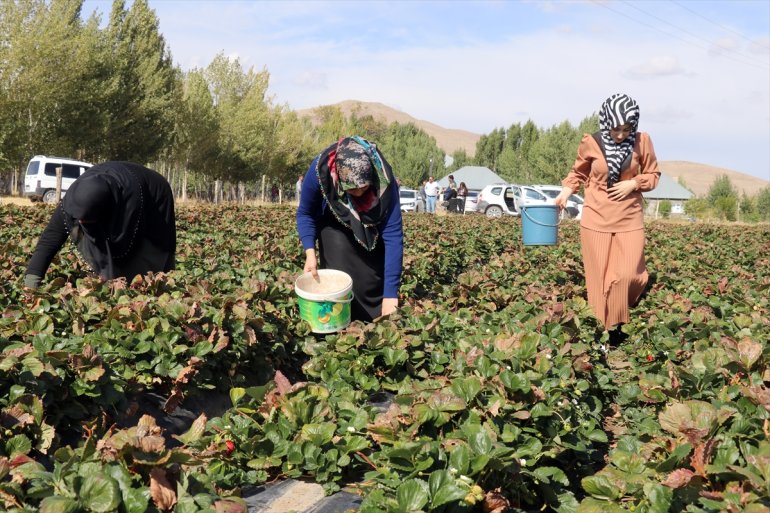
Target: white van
x,y
40,180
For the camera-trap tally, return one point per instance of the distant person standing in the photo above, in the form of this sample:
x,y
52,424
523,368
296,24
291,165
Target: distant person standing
x,y
462,195
615,165
422,194
298,188
431,193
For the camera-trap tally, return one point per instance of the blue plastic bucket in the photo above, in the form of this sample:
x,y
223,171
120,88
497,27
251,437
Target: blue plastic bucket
x,y
540,225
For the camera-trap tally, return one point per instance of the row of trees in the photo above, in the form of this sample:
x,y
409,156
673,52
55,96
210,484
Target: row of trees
x,y
527,153
75,88
724,202
70,87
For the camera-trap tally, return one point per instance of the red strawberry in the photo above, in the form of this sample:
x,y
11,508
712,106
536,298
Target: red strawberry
x,y
230,446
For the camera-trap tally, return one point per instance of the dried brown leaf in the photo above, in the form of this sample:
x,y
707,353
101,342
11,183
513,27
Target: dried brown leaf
x,y
163,494
495,502
679,478
701,455
282,383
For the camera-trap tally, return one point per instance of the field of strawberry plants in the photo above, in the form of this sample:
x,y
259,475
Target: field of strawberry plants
x,y
491,390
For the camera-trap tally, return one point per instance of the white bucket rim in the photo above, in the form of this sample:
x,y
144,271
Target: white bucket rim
x,y
327,296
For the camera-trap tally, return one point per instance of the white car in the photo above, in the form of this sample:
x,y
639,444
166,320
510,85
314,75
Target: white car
x,y
40,179
497,200
574,208
411,200
471,200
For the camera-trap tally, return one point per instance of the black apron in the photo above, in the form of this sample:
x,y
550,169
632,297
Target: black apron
x,y
340,250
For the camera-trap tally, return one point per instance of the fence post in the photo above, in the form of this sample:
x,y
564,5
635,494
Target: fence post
x,y
58,184
263,189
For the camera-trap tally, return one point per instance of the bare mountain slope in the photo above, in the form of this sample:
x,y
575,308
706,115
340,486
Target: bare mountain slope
x,y
697,177
448,139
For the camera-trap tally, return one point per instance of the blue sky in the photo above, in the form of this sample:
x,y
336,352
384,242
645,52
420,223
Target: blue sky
x,y
699,70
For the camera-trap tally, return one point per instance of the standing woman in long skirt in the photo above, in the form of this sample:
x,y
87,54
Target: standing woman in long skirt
x,y
615,165
350,204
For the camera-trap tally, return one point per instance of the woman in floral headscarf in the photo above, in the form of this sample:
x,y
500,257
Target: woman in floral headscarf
x,y
615,165
350,205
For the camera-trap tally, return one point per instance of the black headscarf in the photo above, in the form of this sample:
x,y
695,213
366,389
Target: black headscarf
x,y
109,201
361,215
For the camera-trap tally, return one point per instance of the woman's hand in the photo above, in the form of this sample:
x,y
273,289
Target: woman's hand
x,y
561,200
311,264
389,305
621,189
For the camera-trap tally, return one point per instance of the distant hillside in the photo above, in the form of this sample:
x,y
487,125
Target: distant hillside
x,y
448,139
697,177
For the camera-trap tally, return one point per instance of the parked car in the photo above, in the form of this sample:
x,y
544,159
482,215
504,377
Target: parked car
x,y
40,179
574,203
471,200
497,200
411,201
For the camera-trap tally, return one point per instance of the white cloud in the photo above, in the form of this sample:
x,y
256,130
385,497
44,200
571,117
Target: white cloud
x,y
703,106
723,45
667,114
662,66
761,47
312,80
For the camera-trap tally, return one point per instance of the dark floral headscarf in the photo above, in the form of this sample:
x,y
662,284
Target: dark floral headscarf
x,y
352,163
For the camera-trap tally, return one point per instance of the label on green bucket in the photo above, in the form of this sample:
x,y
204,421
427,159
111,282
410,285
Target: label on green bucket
x,y
325,316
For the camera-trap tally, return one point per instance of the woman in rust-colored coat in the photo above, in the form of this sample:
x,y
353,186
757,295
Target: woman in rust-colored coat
x,y
615,165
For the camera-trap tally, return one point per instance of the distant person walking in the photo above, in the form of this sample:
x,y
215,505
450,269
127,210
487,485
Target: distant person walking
x,y
120,216
615,165
350,204
431,193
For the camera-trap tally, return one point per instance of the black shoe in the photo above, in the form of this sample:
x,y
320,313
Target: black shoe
x,y
617,336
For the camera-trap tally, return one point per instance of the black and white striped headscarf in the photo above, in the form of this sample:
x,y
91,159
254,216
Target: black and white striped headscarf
x,y
618,110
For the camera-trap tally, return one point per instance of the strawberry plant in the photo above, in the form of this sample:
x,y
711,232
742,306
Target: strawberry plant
x,y
492,389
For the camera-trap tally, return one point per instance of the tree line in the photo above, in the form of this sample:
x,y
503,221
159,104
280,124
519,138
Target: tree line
x,y
78,88
72,87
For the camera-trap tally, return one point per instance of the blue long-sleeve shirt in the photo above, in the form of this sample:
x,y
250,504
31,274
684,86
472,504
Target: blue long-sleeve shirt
x,y
312,207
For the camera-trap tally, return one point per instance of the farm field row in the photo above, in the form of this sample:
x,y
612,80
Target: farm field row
x,y
492,389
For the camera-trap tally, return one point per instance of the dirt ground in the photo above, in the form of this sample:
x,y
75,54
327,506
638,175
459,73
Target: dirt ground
x,y
14,200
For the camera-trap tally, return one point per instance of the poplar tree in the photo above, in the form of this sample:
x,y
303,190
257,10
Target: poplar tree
x,y
48,75
412,154
139,92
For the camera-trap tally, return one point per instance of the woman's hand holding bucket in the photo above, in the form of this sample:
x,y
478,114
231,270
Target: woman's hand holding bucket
x,y
561,200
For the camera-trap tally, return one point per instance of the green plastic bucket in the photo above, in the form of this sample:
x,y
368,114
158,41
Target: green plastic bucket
x,y
325,303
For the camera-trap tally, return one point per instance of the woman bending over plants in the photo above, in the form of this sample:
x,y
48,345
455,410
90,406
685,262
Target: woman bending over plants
x,y
615,165
350,204
120,216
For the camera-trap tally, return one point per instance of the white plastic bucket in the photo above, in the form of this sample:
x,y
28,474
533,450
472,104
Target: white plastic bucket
x,y
325,303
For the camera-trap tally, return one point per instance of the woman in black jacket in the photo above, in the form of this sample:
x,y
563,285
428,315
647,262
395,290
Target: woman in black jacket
x,y
120,216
